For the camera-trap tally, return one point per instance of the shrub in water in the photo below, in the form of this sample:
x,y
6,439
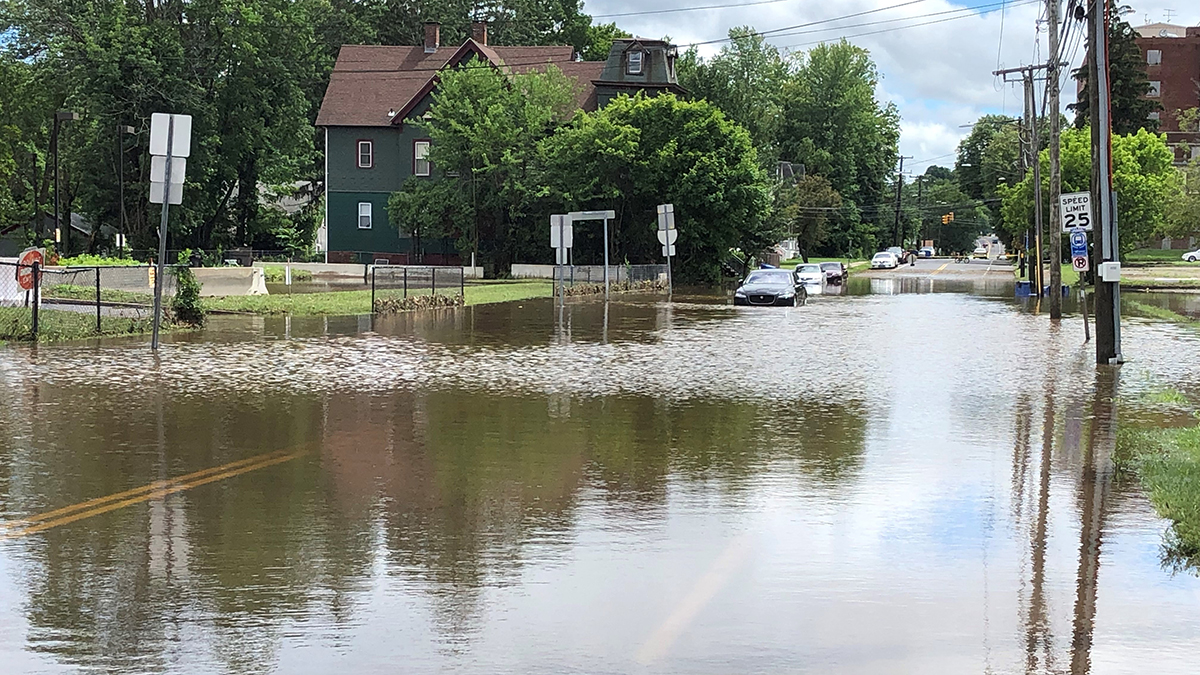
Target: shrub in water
x,y
185,306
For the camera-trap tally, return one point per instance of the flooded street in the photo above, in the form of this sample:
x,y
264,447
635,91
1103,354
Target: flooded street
x,y
887,482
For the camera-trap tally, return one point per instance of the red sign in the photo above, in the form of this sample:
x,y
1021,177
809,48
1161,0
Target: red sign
x,y
25,267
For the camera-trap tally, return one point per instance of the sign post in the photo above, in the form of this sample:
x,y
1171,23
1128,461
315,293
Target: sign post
x,y
667,234
562,236
170,145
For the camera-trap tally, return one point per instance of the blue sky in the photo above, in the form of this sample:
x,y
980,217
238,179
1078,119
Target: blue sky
x,y
940,75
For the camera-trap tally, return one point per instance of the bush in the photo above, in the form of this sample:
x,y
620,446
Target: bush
x,y
185,306
89,260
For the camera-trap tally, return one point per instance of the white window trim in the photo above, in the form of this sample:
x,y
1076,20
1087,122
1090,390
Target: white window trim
x,y
1154,57
370,154
369,214
641,62
422,157
1155,89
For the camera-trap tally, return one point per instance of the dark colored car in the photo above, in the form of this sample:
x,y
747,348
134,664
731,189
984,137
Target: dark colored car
x,y
770,287
835,272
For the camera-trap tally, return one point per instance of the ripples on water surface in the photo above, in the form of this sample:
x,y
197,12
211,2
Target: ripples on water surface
x,y
909,483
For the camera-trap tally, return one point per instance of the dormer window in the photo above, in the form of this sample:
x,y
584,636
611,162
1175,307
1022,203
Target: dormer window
x,y
634,63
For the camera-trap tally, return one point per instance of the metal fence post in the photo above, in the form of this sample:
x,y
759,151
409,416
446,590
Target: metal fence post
x,y
462,283
433,281
373,291
406,281
37,295
98,329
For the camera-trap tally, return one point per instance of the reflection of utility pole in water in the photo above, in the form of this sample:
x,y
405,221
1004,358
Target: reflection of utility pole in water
x,y
1093,497
1037,624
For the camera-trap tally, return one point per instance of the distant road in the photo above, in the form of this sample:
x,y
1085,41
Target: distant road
x,y
946,268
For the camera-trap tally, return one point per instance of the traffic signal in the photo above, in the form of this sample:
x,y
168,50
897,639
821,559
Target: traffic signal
x,y
945,219
951,215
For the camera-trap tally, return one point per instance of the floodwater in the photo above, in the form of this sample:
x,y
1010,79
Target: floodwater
x,y
883,481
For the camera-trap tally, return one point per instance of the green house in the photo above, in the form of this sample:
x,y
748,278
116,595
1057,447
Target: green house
x,y
372,145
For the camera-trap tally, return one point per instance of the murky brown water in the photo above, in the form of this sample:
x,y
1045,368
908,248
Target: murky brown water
x,y
869,484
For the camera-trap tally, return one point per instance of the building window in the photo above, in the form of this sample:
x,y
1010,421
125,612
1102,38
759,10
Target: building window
x,y
1154,116
1153,57
421,165
366,154
1155,89
635,63
364,215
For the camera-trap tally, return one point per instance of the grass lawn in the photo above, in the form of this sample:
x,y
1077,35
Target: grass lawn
x,y
359,302
850,263
55,325
1167,461
1145,255
89,293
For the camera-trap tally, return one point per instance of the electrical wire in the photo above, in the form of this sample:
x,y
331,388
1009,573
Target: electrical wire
x,y
688,9
965,11
889,30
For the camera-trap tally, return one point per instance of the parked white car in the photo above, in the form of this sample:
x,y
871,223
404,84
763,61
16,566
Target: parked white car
x,y
811,276
884,260
1192,256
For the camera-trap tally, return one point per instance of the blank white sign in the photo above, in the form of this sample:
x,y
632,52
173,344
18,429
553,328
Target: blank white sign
x,y
181,144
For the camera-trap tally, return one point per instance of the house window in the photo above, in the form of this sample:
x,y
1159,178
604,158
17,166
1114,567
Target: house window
x,y
1154,116
1155,89
421,166
364,215
634,63
366,154
1153,57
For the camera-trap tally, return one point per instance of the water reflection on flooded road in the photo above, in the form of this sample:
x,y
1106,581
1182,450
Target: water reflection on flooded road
x,y
920,482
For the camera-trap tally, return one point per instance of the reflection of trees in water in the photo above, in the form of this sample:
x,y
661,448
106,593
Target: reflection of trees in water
x,y
468,485
150,584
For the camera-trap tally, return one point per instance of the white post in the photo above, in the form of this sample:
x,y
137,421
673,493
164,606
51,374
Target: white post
x,y
162,236
606,257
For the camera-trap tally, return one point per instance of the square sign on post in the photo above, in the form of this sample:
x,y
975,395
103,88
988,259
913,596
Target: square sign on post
x,y
666,216
1076,210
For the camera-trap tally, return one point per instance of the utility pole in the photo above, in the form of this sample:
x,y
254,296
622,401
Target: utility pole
x,y
1055,170
1107,293
1036,277
899,234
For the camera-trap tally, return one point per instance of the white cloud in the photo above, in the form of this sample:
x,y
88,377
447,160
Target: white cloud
x,y
940,75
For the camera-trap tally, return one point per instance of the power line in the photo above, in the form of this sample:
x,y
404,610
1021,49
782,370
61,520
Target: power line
x,y
687,9
965,11
811,23
889,30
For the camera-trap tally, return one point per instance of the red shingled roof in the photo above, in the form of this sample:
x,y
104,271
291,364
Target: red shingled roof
x,y
369,81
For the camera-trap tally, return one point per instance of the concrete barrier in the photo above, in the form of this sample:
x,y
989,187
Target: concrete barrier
x,y
220,281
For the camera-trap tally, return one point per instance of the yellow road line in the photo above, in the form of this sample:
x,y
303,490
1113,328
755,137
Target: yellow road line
x,y
155,490
939,269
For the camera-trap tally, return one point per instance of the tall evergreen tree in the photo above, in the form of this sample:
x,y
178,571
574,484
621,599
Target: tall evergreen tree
x,y
1127,82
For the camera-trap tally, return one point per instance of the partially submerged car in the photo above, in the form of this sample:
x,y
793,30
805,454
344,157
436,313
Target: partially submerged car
x,y
884,260
810,275
770,287
835,272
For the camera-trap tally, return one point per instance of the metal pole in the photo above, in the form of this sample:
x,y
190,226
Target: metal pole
x,y
606,257
1055,170
406,281
121,184
372,291
1108,312
54,150
1037,185
97,300
433,281
162,236
670,290
37,295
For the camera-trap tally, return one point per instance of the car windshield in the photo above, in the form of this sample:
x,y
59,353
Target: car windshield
x,y
809,268
769,277
831,266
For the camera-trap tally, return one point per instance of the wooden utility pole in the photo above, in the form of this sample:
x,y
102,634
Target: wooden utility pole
x,y
1036,277
1052,81
899,233
1108,293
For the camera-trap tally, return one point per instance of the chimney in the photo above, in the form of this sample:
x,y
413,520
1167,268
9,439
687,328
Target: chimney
x,y
479,32
433,31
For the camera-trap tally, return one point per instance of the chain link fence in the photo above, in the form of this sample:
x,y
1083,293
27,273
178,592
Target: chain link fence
x,y
623,276
395,287
76,302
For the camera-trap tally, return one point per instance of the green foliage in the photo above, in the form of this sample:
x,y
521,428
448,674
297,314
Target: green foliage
x,y
90,260
1143,175
979,174
186,306
276,274
745,80
359,302
805,209
941,195
834,125
1183,208
1128,84
600,39
643,151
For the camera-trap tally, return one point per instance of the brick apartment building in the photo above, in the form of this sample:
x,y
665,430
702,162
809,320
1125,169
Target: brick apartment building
x,y
1172,57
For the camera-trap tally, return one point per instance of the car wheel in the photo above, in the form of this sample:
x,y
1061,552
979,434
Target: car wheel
x,y
1191,258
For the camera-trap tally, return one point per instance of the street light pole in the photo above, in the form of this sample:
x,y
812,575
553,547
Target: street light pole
x,y
122,129
60,117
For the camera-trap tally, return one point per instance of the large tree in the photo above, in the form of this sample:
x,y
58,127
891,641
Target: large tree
x,y
1143,174
1128,84
745,80
833,124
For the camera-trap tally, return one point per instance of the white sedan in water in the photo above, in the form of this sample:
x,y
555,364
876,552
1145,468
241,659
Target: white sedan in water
x,y
811,276
1192,256
884,260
